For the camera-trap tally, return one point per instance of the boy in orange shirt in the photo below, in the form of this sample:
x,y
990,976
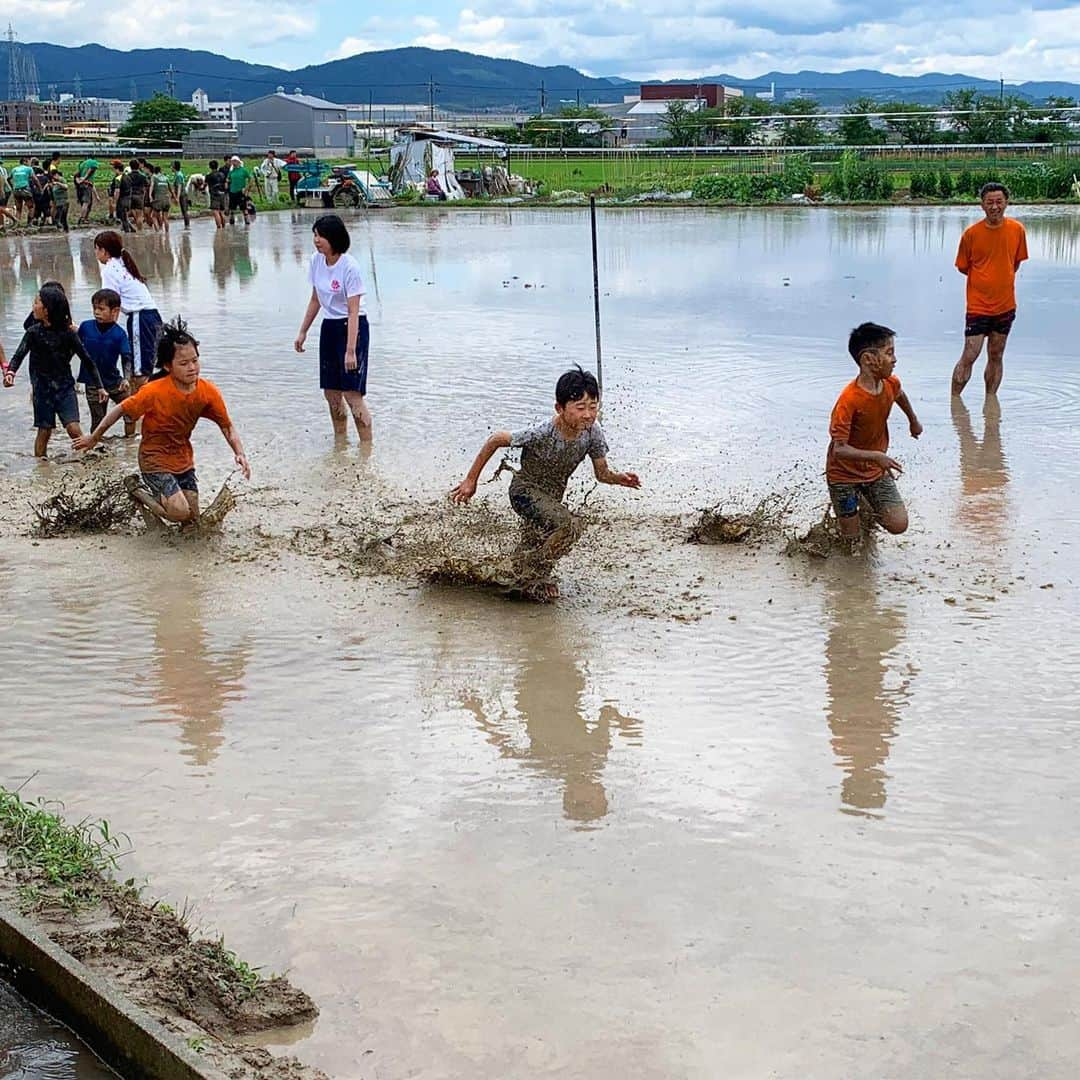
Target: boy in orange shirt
x,y
857,463
990,253
171,404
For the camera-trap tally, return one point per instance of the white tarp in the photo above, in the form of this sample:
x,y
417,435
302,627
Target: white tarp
x,y
411,162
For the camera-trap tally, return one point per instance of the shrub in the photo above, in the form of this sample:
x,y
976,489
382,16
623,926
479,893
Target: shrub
x,y
964,183
722,186
856,178
798,174
945,186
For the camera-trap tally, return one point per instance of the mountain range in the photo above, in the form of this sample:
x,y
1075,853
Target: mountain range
x,y
454,79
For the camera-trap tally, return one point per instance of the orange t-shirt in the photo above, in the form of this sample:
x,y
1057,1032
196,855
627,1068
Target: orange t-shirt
x,y
169,417
860,419
990,258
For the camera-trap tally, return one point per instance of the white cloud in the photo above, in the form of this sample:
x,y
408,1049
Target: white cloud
x,y
350,47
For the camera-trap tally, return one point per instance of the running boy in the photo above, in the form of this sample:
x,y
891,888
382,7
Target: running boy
x,y
857,463
549,455
171,404
51,342
110,349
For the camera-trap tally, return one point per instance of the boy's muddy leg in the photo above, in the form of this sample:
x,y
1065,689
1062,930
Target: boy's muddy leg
x,y
339,415
549,531
995,361
41,441
360,414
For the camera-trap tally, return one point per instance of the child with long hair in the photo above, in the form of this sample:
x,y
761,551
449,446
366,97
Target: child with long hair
x,y
171,404
50,343
120,272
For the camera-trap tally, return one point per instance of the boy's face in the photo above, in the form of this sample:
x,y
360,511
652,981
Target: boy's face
x,y
185,365
880,362
579,415
105,314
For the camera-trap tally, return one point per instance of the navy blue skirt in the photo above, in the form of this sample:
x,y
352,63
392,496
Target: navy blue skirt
x,y
333,337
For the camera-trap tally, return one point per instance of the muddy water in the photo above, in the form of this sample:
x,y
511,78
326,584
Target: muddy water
x,y
35,1047
719,810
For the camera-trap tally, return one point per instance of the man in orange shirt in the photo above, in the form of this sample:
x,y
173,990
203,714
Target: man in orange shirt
x,y
857,465
171,404
991,252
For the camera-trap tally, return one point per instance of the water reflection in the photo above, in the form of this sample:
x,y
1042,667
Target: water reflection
x,y
232,258
561,741
984,474
866,695
193,678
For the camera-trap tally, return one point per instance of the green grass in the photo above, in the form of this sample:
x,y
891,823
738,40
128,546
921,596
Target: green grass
x,y
71,857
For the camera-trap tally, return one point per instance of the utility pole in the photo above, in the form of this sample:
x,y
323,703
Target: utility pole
x,y
543,98
579,97
431,100
170,81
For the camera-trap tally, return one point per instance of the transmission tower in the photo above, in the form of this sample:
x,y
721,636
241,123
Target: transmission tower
x,y
78,86
15,88
170,81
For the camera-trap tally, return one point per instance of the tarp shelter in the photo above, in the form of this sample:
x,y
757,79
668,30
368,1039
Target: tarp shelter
x,y
418,150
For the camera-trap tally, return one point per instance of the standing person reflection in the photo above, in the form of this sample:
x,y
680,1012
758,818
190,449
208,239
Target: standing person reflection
x,y
865,694
984,472
194,678
563,743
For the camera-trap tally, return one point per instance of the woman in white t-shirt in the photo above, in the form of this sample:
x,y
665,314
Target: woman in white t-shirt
x,y
121,273
337,290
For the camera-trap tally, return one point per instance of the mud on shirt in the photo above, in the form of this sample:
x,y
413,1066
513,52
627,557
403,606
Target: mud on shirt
x,y
548,460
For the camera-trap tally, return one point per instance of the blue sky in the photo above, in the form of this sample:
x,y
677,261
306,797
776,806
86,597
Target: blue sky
x,y
644,39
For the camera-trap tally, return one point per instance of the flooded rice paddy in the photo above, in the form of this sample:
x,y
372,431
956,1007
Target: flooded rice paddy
x,y
719,811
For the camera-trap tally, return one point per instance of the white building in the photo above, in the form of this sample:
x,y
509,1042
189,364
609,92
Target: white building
x,y
221,112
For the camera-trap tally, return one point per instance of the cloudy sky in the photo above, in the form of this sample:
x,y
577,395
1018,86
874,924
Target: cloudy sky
x,y
642,39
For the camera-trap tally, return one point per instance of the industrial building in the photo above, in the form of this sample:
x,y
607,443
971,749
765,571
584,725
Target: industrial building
x,y
296,121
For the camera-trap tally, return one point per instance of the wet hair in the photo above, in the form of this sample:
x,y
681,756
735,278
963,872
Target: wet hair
x,y
868,335
213,165
54,285
990,188
111,242
57,310
332,229
109,298
173,335
575,384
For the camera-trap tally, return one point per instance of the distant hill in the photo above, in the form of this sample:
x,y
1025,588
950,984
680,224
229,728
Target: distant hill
x,y
462,80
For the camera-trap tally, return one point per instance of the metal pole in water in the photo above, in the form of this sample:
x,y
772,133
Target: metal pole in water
x,y
596,296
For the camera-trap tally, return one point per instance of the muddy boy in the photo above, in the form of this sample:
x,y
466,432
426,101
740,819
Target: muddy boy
x,y
550,452
858,465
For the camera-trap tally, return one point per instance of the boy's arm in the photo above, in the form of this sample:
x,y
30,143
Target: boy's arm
x,y
233,439
844,452
88,442
467,488
88,360
908,410
605,475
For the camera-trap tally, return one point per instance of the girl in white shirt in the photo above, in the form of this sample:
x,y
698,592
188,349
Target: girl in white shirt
x,y
337,290
120,272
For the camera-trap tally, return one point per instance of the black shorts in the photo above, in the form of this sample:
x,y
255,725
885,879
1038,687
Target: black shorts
x,y
237,199
333,338
981,325
137,202
84,192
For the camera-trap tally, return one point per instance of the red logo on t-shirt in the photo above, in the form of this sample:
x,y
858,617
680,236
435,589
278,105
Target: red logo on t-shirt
x,y
335,284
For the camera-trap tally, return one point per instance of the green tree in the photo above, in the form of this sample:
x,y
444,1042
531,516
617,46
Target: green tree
x,y
160,119
803,128
858,130
915,124
980,118
739,127
682,122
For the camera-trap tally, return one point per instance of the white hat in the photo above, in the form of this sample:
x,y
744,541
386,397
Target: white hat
x,y
236,157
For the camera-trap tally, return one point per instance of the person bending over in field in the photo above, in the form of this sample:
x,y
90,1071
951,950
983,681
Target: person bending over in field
x,y
171,404
550,453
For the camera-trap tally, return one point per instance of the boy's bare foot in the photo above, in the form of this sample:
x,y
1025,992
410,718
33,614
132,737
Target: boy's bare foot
x,y
546,592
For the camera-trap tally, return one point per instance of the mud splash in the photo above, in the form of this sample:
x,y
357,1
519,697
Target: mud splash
x,y
98,504
765,522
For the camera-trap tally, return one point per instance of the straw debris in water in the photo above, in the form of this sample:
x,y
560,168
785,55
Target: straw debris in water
x,y
95,505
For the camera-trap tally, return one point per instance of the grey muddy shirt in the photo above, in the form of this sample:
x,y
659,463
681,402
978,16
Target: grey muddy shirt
x,y
548,460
